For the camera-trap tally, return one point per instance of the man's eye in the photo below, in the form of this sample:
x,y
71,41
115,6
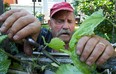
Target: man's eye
x,y
60,21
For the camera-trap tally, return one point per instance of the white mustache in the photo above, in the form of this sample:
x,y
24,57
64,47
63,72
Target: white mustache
x,y
64,32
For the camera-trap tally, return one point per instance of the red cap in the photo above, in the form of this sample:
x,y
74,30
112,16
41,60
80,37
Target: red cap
x,y
60,6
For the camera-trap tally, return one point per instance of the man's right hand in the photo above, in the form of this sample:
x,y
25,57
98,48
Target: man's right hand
x,y
19,24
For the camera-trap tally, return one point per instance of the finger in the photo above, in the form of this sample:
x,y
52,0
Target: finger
x,y
28,48
5,15
106,55
10,20
31,29
20,23
88,48
96,53
81,43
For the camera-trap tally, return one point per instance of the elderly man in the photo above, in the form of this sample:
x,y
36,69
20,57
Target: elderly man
x,y
19,24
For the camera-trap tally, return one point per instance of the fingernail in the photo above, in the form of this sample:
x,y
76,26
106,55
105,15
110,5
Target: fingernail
x,y
82,59
78,52
16,37
89,63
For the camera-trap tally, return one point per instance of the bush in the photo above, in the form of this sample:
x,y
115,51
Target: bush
x,y
107,28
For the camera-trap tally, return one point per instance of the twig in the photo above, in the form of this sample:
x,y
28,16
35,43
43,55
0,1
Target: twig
x,y
11,56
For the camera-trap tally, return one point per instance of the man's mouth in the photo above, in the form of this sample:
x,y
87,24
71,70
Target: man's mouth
x,y
65,34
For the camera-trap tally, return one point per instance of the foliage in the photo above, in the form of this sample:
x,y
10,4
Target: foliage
x,y
55,44
40,17
4,62
7,7
86,28
2,37
68,69
45,26
106,29
8,61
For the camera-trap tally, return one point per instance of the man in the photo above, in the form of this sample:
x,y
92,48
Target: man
x,y
19,24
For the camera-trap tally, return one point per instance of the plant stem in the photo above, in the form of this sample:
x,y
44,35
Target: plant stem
x,y
111,22
11,56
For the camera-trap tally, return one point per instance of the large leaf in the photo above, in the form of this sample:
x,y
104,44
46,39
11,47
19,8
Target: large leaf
x,y
87,27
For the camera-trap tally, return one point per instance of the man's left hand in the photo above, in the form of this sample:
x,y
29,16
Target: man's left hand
x,y
94,49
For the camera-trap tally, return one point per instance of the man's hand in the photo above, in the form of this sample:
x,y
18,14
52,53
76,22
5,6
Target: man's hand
x,y
94,50
19,24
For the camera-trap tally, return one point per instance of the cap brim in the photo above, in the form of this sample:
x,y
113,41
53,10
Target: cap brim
x,y
68,9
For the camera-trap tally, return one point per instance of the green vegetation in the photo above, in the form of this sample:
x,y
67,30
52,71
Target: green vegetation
x,y
6,7
107,28
4,62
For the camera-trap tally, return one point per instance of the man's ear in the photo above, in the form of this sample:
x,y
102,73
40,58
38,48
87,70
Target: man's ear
x,y
49,23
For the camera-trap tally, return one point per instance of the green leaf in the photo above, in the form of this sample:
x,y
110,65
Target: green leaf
x,y
87,27
2,37
10,46
56,44
4,62
68,69
82,66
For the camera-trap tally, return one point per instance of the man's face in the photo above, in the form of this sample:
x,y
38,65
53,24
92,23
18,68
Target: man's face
x,y
62,25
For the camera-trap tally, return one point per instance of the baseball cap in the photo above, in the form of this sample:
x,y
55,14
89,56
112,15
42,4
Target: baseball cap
x,y
60,6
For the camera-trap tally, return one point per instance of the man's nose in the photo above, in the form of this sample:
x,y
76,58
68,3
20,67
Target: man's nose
x,y
66,25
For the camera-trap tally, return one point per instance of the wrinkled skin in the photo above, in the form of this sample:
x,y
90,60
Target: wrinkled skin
x,y
19,24
94,50
62,25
